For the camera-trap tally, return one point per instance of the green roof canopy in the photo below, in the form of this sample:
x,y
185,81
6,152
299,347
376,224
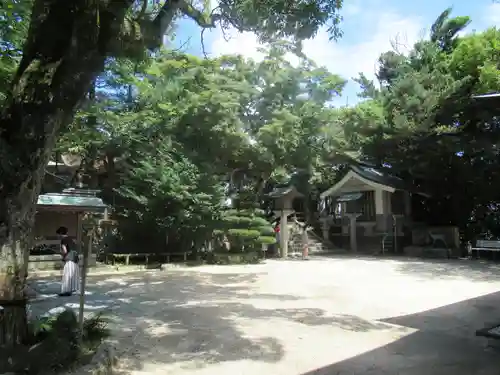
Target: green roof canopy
x,y
349,197
75,202
369,175
283,191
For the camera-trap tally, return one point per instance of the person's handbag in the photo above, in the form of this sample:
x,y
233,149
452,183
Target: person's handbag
x,y
73,256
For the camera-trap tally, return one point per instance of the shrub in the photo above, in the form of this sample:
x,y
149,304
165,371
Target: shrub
x,y
247,230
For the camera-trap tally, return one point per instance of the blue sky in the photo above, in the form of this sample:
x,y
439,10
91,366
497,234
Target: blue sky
x,y
368,26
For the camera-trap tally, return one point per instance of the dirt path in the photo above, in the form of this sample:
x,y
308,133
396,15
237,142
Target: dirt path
x,y
325,316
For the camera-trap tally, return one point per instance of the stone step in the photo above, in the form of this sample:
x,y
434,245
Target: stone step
x,y
309,245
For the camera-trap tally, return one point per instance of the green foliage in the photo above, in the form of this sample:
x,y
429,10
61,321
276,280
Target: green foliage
x,y
266,239
61,331
243,234
146,22
168,193
14,20
246,230
423,122
269,20
43,325
167,145
178,135
96,328
169,138
445,29
281,19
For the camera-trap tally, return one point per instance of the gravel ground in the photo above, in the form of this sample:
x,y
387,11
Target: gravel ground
x,y
327,316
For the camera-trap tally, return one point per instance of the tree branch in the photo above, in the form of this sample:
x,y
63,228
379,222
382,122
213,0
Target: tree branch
x,y
204,21
161,23
202,38
143,10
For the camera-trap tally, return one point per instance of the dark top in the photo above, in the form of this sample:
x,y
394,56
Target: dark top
x,y
68,242
71,254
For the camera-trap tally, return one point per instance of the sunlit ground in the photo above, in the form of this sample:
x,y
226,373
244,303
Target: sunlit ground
x,y
325,316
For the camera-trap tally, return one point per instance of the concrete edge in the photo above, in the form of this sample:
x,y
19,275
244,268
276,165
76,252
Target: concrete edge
x,y
108,271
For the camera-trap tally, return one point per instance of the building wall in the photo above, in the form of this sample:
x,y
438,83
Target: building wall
x,y
386,204
366,244
365,205
421,237
398,202
47,222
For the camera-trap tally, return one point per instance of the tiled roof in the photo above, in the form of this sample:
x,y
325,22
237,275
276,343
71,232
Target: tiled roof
x,y
382,177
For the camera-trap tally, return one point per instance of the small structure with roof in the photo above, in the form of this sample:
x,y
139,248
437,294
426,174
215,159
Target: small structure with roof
x,y
54,210
283,207
366,206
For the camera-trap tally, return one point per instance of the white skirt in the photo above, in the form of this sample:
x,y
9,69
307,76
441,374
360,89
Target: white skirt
x,y
70,277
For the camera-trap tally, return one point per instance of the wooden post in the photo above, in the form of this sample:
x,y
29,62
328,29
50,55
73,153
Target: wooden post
x,y
83,283
379,201
79,232
395,232
407,204
325,228
305,242
284,234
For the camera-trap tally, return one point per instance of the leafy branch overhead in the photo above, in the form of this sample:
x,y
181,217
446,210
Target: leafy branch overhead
x,y
149,21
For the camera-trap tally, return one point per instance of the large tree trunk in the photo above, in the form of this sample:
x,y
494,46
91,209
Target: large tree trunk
x,y
66,47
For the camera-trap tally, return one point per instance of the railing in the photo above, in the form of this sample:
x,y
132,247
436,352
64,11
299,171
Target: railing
x,y
483,245
387,243
112,258
46,247
54,262
313,235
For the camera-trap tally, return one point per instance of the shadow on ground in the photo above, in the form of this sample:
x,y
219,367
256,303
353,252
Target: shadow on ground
x,y
435,348
192,319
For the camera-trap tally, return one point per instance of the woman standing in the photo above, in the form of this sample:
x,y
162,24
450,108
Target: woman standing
x,y
71,271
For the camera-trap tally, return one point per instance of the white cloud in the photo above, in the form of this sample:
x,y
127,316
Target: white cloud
x,y
351,9
349,60
232,42
341,58
492,15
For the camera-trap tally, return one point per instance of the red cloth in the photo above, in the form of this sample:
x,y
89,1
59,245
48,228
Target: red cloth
x,y
277,229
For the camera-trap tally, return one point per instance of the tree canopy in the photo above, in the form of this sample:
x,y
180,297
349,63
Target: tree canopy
x,y
253,125
172,140
230,123
50,55
421,119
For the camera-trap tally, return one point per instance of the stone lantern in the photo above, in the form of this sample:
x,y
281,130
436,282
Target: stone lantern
x,y
283,207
